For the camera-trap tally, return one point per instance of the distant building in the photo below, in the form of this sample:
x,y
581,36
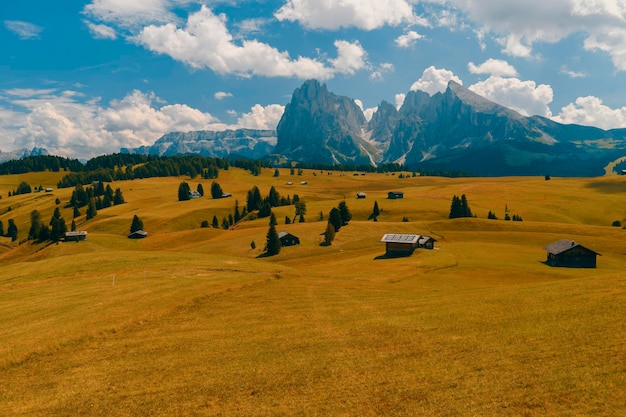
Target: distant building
x,y
49,189
361,195
568,253
194,194
426,242
623,172
287,239
138,234
394,195
75,236
397,244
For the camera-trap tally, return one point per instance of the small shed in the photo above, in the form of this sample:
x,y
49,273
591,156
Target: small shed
x,y
361,195
194,194
397,244
394,195
567,253
426,242
75,236
138,234
287,239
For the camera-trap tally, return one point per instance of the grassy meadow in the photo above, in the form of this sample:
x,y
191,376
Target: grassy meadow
x,y
192,321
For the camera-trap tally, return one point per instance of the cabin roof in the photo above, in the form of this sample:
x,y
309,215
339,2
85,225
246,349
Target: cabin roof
x,y
563,245
400,238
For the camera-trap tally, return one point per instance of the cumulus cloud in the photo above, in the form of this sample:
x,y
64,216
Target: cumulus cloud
x,y
205,42
362,14
64,124
408,39
495,67
434,80
24,30
220,95
261,117
526,97
99,31
399,100
518,26
590,111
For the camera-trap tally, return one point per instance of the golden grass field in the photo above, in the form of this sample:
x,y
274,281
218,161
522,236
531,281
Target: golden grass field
x,y
193,322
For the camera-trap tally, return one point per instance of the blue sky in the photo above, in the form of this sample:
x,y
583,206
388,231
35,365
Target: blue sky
x,y
86,77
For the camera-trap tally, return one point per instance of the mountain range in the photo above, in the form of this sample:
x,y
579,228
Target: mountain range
x,y
454,130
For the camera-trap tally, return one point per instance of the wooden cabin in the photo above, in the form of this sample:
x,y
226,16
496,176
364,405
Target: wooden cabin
x,y
397,244
567,253
394,195
138,234
75,236
426,242
287,239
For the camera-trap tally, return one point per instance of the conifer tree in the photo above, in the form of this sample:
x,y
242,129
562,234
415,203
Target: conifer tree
x,y
334,218
215,222
272,245
329,234
12,230
183,192
57,226
200,190
35,225
216,190
346,216
136,224
375,212
118,198
73,226
237,215
91,209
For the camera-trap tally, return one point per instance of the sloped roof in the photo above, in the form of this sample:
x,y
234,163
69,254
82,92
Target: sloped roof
x,y
563,245
283,234
400,238
424,239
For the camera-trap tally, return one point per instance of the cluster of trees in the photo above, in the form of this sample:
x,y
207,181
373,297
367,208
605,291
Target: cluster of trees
x,y
95,198
254,201
22,188
40,163
184,191
11,230
516,218
53,231
459,208
337,218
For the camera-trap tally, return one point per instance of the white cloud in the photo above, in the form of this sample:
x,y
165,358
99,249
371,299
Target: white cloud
x,y
261,117
205,42
434,80
399,99
408,39
220,95
573,74
526,97
59,122
24,30
130,13
99,31
495,67
362,14
518,26
590,111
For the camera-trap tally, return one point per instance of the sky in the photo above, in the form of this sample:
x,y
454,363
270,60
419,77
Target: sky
x,y
82,78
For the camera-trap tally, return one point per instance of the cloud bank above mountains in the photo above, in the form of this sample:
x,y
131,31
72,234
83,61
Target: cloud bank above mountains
x,y
512,34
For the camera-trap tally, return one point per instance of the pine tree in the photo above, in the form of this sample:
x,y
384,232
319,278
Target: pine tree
x,y
183,192
118,198
12,230
76,211
200,190
73,226
273,197
466,210
329,234
456,208
237,215
346,216
91,209
136,224
375,212
300,210
215,222
334,218
57,226
216,190
272,245
225,224
35,225
273,221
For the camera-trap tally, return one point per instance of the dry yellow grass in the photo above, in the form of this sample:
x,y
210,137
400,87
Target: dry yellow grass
x,y
192,321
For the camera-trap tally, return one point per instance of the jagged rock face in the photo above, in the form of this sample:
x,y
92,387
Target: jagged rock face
x,y
22,153
247,143
319,126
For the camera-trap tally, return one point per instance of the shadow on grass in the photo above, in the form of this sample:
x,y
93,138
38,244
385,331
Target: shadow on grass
x,y
392,256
